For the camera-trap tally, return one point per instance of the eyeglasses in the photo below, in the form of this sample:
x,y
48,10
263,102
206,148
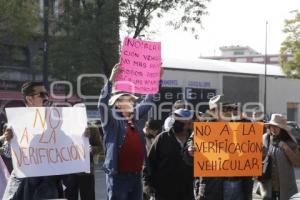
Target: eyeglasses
x,y
41,94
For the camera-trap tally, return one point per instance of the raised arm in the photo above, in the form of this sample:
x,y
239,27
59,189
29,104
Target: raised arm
x,y
105,111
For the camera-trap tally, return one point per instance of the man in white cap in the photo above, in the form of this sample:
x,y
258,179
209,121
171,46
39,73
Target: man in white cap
x,y
124,141
212,188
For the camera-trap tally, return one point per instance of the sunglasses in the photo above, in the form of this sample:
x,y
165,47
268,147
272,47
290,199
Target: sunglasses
x,y
41,94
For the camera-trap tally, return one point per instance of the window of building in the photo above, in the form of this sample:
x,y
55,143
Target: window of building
x,y
243,60
258,59
237,53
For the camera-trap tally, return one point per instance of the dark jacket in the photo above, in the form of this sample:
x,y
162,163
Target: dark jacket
x,y
208,188
168,174
115,129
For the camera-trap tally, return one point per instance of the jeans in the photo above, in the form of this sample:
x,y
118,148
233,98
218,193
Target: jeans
x,y
233,190
44,187
124,186
83,183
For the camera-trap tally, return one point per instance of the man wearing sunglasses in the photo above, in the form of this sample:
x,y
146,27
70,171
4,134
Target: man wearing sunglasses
x,y
35,95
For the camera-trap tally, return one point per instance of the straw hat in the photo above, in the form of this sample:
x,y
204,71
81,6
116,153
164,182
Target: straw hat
x,y
116,96
280,121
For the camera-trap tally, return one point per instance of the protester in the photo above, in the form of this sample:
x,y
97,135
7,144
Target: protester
x,y
219,188
282,154
84,183
33,188
35,95
124,141
151,130
238,188
170,120
206,188
168,176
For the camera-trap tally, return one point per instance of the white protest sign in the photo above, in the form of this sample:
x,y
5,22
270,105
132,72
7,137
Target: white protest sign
x,y
49,141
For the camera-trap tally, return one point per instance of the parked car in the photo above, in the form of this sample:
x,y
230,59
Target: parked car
x,y
295,129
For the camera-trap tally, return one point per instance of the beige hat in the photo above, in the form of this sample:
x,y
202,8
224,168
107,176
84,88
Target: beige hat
x,y
280,121
116,96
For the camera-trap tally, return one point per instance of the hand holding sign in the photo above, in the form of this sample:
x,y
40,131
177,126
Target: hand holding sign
x,y
114,72
8,134
191,151
162,71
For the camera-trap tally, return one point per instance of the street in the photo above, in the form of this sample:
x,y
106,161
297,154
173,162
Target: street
x,y
100,183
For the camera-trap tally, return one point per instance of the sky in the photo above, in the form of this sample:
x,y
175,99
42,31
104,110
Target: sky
x,y
229,22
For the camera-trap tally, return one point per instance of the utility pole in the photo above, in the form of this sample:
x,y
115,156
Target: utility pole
x,y
266,57
45,42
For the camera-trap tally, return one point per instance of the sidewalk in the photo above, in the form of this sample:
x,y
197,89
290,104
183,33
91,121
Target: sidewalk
x,y
101,187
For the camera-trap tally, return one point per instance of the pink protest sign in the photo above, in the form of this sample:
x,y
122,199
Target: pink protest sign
x,y
140,66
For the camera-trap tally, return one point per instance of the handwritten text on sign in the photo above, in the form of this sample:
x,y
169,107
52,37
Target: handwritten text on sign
x,y
140,65
227,149
48,141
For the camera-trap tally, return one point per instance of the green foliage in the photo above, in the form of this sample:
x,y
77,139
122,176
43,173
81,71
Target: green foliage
x,y
84,34
291,45
138,14
85,39
18,19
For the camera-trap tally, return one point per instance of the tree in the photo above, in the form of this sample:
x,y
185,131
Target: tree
x,y
291,45
85,34
85,39
18,19
138,14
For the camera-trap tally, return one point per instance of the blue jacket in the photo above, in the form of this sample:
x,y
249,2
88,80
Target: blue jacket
x,y
115,130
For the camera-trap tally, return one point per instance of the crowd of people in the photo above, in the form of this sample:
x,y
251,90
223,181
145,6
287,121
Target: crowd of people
x,y
152,161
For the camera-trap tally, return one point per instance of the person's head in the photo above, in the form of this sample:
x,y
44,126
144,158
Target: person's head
x,y
258,116
152,128
124,102
221,110
278,127
180,104
183,120
35,94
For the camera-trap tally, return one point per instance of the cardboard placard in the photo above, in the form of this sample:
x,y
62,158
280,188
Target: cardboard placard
x,y
140,66
48,141
227,149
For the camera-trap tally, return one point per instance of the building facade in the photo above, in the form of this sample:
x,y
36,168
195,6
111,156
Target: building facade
x,y
245,54
200,79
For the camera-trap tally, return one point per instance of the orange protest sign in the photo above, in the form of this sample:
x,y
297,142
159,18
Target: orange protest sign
x,y
227,149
